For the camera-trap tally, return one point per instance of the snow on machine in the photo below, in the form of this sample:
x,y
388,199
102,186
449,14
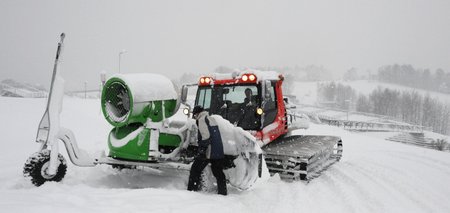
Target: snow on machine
x,y
149,131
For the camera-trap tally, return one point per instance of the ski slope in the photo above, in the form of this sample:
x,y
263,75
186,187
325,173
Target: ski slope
x,y
374,175
366,87
307,91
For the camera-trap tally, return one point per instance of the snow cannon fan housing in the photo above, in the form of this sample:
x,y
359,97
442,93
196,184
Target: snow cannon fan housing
x,y
135,98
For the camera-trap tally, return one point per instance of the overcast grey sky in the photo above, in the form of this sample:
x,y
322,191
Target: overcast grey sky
x,y
173,37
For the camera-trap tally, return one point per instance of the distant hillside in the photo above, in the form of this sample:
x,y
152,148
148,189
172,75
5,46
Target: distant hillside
x,y
12,88
365,87
407,75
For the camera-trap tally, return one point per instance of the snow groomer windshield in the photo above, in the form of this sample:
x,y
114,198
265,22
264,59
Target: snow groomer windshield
x,y
236,103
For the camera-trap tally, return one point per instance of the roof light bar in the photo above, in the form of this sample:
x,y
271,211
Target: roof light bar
x,y
248,78
206,80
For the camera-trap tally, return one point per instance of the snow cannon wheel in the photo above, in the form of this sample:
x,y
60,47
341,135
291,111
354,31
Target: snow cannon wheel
x,y
37,165
119,167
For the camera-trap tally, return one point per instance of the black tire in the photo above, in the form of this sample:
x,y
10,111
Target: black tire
x,y
119,167
207,180
36,167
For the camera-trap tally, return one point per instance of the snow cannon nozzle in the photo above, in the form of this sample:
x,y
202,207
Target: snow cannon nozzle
x,y
135,98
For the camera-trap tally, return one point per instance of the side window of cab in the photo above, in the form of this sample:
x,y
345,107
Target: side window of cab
x,y
204,98
270,104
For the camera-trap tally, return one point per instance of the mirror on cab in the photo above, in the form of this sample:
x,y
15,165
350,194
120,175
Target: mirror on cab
x,y
184,93
267,87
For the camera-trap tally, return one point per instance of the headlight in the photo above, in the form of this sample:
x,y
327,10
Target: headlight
x,y
186,111
259,111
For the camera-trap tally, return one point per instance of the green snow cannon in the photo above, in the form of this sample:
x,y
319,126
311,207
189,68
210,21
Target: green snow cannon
x,y
132,103
133,98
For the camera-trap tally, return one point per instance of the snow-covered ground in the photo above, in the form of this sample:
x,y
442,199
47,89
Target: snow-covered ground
x,y
305,92
374,175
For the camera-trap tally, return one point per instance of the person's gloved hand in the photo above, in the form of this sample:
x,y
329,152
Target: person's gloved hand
x,y
183,152
202,150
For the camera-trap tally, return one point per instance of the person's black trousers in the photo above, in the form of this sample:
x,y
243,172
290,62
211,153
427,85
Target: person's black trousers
x,y
217,170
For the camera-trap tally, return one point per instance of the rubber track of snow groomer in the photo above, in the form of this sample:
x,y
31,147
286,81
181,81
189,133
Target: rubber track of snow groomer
x,y
302,157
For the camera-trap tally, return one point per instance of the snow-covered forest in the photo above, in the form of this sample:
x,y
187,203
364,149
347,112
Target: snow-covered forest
x,y
406,106
407,75
409,106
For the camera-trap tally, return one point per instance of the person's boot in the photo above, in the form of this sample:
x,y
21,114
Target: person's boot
x,y
193,184
222,187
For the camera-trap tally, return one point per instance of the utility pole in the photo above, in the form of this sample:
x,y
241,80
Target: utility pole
x,y
85,89
103,80
120,56
348,101
103,77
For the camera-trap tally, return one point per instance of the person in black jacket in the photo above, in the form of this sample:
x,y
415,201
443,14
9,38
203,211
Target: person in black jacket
x,y
249,100
210,150
248,119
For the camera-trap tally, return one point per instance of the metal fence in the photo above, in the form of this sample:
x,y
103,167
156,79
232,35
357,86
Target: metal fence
x,y
378,123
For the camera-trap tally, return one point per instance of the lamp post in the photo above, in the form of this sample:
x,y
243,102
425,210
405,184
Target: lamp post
x,y
85,89
120,56
103,81
103,77
348,101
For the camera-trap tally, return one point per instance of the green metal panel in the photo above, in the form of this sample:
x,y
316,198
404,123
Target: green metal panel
x,y
156,111
169,140
135,149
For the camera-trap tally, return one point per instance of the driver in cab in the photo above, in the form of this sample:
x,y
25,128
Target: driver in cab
x,y
249,99
248,119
